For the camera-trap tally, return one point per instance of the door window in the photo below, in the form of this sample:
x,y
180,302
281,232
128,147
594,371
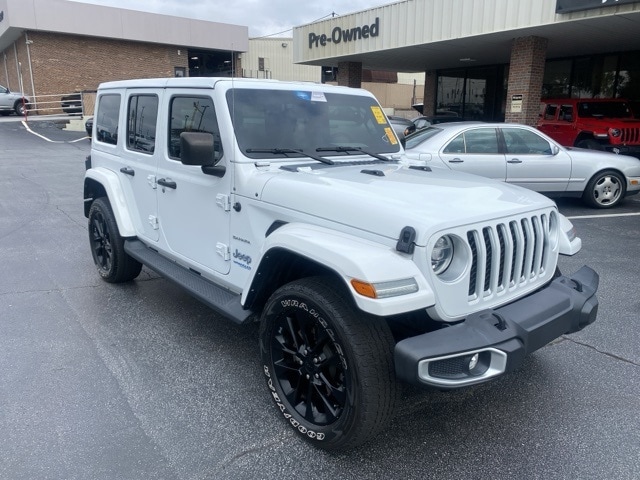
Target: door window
x,y
522,141
141,127
481,140
192,114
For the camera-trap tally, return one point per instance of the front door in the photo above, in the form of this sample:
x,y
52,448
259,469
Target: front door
x,y
532,163
193,207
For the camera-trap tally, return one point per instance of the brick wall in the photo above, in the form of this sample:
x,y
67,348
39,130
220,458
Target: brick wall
x,y
526,72
350,74
430,89
69,63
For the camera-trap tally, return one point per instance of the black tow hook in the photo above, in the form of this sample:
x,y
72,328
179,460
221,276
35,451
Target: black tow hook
x,y
502,323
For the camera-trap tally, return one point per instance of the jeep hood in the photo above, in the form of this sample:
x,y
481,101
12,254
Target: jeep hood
x,y
385,198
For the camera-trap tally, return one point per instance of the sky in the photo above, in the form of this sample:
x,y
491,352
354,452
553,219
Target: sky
x,y
263,17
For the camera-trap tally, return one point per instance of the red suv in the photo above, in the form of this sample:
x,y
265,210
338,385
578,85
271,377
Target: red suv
x,y
596,123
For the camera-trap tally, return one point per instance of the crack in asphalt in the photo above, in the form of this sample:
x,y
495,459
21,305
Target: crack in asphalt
x,y
608,354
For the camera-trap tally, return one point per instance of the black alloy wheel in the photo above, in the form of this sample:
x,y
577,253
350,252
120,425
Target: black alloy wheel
x,y
329,367
107,246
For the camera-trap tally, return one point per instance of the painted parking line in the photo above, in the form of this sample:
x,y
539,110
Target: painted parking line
x,y
26,125
604,215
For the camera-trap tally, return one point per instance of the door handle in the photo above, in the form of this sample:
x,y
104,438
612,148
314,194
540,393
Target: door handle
x,y
456,160
167,183
128,171
514,160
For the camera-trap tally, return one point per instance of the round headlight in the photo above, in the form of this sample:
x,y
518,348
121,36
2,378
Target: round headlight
x,y
615,132
442,254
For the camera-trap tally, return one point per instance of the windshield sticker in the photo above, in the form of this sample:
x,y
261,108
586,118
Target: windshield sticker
x,y
311,96
318,97
391,136
380,118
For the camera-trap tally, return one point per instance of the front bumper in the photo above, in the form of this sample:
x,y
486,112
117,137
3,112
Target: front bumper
x,y
490,343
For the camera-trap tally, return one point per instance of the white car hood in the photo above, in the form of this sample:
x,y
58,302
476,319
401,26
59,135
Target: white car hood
x,y
396,197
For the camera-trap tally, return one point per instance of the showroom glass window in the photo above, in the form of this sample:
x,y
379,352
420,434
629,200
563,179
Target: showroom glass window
x,y
106,119
192,114
141,126
472,93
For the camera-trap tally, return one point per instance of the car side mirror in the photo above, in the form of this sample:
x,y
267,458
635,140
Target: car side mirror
x,y
555,150
198,148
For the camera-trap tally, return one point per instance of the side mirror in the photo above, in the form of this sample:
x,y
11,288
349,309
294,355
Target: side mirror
x,y
198,148
555,150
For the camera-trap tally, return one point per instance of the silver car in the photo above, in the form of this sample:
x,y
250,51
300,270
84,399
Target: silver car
x,y
524,156
12,102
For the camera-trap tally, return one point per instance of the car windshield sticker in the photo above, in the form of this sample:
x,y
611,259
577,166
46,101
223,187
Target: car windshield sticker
x,y
380,118
391,136
318,97
312,96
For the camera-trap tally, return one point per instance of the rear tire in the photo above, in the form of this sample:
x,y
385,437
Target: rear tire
x,y
329,367
107,246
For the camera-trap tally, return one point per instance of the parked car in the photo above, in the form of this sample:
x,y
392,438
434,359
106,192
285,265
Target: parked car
x,y
71,104
595,123
524,156
402,126
12,102
88,126
427,121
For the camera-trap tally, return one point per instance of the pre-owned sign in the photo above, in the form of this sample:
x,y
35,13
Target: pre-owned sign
x,y
339,35
565,6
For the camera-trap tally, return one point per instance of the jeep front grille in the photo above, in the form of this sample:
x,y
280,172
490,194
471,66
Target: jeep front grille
x,y
630,135
507,254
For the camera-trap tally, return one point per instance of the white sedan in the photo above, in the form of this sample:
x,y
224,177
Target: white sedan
x,y
524,156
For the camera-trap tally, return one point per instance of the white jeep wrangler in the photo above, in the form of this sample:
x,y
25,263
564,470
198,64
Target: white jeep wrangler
x,y
291,204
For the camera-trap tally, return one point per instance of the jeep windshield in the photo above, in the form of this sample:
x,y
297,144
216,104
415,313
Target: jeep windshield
x,y
301,123
604,110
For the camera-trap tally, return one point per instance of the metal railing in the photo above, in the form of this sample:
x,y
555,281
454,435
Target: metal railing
x,y
76,104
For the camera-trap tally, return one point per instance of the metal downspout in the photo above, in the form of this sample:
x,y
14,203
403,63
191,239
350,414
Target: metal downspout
x,y
33,85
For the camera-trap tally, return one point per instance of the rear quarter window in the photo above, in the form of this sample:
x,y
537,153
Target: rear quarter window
x,y
106,118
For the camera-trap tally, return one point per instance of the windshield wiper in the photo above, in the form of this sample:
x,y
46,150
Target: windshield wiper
x,y
284,151
348,150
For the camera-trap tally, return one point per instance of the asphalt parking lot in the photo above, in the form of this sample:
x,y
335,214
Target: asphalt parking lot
x,y
140,381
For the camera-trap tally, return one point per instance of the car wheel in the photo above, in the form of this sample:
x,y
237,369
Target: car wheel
x,y
107,246
20,108
328,366
605,190
590,144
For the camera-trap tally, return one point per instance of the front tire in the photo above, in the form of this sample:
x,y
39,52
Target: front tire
x,y
20,108
329,367
107,246
605,190
590,144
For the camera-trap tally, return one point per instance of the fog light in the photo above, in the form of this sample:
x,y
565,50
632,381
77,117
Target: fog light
x,y
473,362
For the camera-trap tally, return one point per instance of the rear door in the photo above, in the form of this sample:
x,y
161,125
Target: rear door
x,y
476,151
138,174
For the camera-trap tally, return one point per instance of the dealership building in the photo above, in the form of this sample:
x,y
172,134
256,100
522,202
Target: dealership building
x,y
480,59
54,47
487,59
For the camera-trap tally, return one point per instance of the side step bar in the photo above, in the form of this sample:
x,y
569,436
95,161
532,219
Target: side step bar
x,y
219,299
